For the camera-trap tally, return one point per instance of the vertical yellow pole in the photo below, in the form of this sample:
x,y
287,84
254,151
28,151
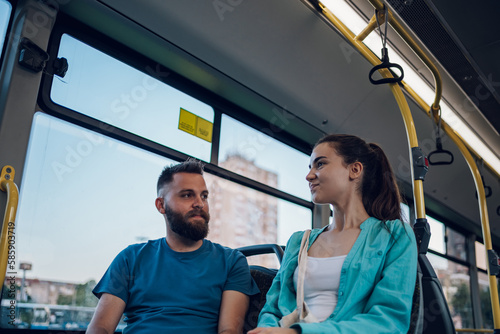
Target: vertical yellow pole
x,y
8,237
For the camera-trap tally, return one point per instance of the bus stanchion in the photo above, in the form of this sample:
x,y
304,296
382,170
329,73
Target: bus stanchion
x,y
8,238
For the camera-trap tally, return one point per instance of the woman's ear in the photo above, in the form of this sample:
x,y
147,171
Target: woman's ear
x,y
355,170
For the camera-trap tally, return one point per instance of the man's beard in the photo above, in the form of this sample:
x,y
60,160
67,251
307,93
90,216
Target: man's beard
x,y
179,224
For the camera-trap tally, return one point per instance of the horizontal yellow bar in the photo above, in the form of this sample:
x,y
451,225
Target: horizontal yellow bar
x,y
469,330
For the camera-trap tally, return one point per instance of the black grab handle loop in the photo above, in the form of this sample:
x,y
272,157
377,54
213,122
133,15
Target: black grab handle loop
x,y
487,189
386,65
440,154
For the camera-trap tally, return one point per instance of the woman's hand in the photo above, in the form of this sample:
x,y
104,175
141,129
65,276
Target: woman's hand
x,y
273,330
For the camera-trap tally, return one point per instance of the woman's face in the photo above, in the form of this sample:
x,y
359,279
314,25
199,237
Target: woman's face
x,y
328,176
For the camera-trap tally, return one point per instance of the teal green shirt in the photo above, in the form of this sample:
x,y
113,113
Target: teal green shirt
x,y
376,287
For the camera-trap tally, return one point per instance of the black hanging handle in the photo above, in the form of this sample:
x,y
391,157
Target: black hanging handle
x,y
487,189
440,155
386,65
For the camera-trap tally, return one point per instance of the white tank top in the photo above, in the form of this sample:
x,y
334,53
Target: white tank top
x,y
321,284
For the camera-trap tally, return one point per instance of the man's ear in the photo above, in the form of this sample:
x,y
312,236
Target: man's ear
x,y
355,170
159,205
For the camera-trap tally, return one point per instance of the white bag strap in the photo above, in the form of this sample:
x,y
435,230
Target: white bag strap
x,y
301,313
304,245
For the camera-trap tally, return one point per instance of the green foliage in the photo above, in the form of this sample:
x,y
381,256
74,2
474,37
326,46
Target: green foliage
x,y
461,304
83,296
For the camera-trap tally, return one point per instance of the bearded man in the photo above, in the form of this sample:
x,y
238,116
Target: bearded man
x,y
182,283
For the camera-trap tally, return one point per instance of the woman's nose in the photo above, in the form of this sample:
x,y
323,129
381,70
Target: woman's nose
x,y
310,176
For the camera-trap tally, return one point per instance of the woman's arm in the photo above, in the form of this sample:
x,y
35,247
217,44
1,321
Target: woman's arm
x,y
271,314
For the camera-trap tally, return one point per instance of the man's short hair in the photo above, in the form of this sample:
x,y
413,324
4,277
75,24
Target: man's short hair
x,y
189,166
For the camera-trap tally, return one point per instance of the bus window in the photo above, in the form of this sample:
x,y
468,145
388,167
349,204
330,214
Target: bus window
x,y
290,166
456,245
480,255
84,198
484,297
437,242
110,91
455,280
5,10
242,216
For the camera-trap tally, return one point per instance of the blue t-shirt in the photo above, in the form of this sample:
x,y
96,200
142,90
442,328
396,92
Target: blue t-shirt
x,y
174,292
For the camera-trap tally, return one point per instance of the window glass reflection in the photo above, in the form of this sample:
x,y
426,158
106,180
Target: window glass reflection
x,y
110,91
480,256
241,216
485,300
288,167
437,242
456,244
5,10
455,281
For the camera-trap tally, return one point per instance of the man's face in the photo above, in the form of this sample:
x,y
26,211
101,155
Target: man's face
x,y
186,206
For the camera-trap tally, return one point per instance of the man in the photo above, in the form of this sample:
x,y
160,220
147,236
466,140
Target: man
x,y
182,283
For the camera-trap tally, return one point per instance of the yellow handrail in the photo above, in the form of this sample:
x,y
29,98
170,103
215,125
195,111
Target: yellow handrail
x,y
396,90
483,210
418,51
8,238
470,330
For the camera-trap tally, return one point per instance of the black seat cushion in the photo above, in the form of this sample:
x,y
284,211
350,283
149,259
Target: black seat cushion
x,y
263,277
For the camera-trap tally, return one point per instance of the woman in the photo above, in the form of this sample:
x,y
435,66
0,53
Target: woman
x,y
360,270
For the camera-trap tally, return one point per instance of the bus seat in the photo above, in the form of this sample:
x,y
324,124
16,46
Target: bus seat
x,y
437,317
417,309
263,277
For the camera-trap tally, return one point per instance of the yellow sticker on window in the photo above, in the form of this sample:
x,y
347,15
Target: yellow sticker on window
x,y
195,125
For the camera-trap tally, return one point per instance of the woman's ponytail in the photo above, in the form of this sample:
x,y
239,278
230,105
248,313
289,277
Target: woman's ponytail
x,y
381,197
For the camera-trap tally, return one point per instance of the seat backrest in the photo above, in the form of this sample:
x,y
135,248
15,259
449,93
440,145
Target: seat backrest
x,y
437,317
417,309
263,277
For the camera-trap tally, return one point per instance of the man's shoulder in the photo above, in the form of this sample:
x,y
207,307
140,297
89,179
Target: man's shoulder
x,y
143,246
221,250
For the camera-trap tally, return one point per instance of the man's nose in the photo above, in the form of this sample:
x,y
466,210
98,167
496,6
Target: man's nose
x,y
198,203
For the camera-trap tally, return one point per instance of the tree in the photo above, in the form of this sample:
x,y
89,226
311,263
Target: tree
x,y
461,303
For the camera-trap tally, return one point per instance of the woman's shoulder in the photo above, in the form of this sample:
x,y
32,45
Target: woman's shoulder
x,y
396,228
296,238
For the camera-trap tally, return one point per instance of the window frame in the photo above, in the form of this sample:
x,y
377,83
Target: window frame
x,y
13,4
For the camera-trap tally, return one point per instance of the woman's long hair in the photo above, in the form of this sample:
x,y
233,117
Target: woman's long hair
x,y
379,190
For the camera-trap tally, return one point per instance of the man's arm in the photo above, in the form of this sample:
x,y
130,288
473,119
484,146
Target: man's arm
x,y
107,315
233,308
